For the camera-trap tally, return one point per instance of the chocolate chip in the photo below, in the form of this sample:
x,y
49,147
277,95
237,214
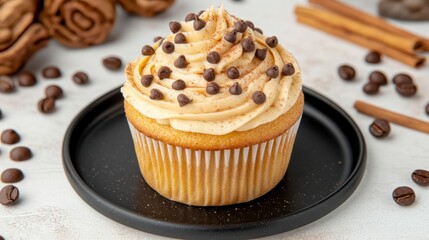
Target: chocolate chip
x,y
146,80
157,38
112,63
212,88
250,25
380,128
183,100
261,54
406,89
421,177
240,26
231,36
378,78
9,195
12,175
180,38
46,105
404,196
20,153
168,47
213,57
164,72
10,136
402,78
181,62
259,97
178,84
51,72
190,17
209,74
371,88
248,45
272,41
200,13
346,72
288,69
53,91
233,73
147,50
26,79
373,57
426,110
175,26
6,84
273,72
155,94
80,78
235,89
199,24
259,30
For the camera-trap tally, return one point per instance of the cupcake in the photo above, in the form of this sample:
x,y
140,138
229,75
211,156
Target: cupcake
x,y
213,109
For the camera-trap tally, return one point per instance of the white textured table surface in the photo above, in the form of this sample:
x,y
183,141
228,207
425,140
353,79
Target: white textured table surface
x,y
50,209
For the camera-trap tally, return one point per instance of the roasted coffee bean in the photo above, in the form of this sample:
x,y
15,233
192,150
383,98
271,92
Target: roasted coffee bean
x,y
378,78
10,136
404,196
231,36
53,91
402,78
248,45
183,100
199,24
406,89
380,128
112,63
346,72
272,72
209,74
235,89
181,62
155,94
261,54
233,73
272,41
259,97
174,26
421,177
240,26
213,57
373,57
178,84
20,153
9,195
80,78
46,105
26,79
190,17
371,88
259,30
212,88
146,80
147,50
168,47
157,38
12,175
180,38
6,84
164,72
51,72
288,69
426,110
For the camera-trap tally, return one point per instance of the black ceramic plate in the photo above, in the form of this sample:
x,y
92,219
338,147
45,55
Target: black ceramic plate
x,y
327,164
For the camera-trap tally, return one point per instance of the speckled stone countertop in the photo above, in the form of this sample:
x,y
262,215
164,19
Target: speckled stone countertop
x,y
50,209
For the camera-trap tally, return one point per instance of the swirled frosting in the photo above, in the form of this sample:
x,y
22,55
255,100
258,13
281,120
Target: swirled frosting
x,y
212,107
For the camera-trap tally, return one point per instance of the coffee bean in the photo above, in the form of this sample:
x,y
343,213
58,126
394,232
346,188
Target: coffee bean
x,y
180,38
199,24
168,47
146,80
272,72
53,91
346,72
51,72
20,153
404,196
209,74
259,97
371,88
421,177
175,26
6,84
259,30
181,62
272,41
213,57
80,78
373,57
10,136
155,94
288,69
250,25
112,63
164,72
406,89
426,110
157,38
240,26
178,84
147,50
212,88
26,79
9,195
12,175
378,78
261,54
402,78
231,36
380,128
190,17
248,45
46,105
235,89
233,73
183,100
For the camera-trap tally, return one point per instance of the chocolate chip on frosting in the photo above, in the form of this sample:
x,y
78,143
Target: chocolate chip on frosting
x,y
146,80
212,88
235,89
248,45
174,26
250,25
168,47
181,62
155,94
157,38
261,53
288,69
240,26
213,57
178,84
209,74
231,36
147,50
164,72
259,97
180,38
273,72
190,17
199,24
233,73
183,100
259,30
272,41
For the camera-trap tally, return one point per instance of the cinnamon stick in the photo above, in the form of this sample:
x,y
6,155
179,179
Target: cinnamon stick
x,y
393,117
409,59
